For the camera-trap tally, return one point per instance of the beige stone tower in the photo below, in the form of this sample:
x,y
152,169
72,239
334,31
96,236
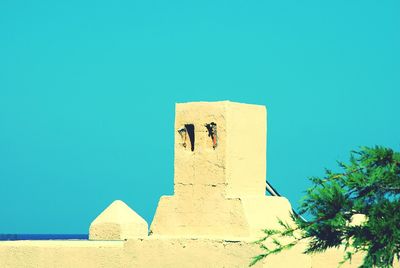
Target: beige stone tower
x,y
220,171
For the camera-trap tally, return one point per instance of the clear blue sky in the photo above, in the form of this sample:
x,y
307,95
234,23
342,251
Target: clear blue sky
x,y
87,94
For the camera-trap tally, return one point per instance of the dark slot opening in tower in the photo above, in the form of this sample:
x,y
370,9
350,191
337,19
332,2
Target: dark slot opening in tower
x,y
212,133
190,131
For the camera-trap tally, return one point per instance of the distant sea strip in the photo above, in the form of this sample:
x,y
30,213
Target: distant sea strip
x,y
13,237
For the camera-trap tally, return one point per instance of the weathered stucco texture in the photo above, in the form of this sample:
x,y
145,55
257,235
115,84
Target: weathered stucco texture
x,y
219,181
118,222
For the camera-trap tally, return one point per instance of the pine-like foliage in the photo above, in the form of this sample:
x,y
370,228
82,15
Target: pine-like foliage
x,y
369,185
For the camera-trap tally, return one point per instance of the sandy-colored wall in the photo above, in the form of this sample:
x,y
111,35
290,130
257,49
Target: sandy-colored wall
x,y
332,257
158,252
152,252
206,253
21,254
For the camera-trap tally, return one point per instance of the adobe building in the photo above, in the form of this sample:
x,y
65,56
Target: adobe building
x,y
218,209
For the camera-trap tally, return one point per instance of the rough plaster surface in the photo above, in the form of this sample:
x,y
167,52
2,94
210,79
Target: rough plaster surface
x,y
27,254
219,191
159,252
151,252
118,222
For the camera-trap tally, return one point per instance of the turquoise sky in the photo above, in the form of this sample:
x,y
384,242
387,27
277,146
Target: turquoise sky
x,y
88,88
